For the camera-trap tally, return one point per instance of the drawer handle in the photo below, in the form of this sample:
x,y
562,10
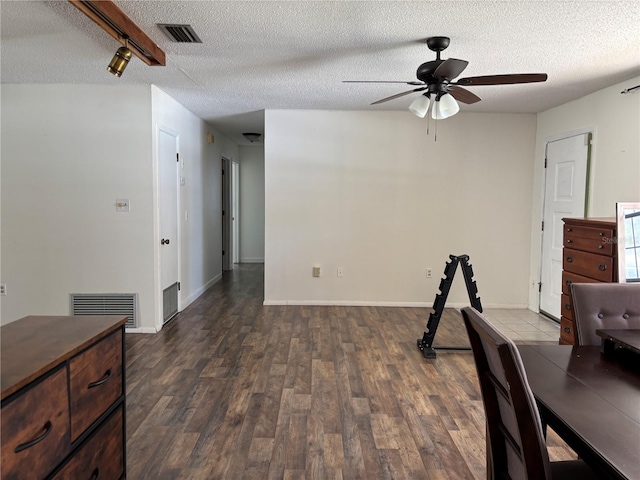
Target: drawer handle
x,y
569,259
104,379
601,234
567,306
569,241
96,474
602,267
568,283
567,329
600,247
569,229
47,430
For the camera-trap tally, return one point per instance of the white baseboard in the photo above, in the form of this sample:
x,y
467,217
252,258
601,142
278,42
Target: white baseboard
x,y
140,330
347,303
517,306
191,298
252,260
356,303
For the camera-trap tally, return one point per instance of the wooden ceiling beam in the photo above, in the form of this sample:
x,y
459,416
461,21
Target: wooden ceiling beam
x,y
116,23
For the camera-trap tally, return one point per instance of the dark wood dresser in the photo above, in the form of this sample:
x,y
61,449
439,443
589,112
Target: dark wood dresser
x,y
63,398
588,256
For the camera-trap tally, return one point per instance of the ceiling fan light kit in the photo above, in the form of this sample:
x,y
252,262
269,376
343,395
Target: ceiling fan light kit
x,y
445,107
436,78
420,105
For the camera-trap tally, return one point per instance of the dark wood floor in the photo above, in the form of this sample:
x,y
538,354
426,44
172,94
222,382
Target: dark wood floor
x,y
232,389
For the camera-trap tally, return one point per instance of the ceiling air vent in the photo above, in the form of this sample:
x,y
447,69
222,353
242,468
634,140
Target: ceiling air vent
x,y
180,33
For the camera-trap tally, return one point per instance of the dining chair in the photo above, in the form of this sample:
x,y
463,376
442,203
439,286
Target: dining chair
x,y
604,305
516,447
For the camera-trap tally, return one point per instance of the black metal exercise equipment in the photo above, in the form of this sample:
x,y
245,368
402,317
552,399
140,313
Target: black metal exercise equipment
x,y
425,344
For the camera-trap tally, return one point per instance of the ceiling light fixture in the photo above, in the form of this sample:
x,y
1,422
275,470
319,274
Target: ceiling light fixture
x,y
420,105
109,17
252,137
120,60
445,106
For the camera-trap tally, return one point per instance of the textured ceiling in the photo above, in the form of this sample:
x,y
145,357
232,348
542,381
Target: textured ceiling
x,y
294,54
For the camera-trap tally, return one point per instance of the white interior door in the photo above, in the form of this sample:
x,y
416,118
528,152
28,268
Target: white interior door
x,y
565,194
168,165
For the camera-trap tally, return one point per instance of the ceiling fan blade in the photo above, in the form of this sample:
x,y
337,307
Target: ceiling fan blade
x,y
463,95
397,95
382,81
450,68
503,79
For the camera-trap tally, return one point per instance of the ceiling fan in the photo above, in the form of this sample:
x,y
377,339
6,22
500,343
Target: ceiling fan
x,y
435,78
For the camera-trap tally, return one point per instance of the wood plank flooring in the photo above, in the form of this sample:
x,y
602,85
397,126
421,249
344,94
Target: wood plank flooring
x,y
231,389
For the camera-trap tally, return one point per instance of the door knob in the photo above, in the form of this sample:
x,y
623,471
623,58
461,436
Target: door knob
x,y
164,241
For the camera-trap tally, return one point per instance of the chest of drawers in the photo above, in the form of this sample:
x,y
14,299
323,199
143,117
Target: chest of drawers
x,y
63,398
588,256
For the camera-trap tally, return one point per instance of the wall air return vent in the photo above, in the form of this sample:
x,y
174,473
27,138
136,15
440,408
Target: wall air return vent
x,y
106,304
180,33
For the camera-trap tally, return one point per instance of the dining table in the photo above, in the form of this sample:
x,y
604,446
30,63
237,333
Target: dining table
x,y
592,401
625,338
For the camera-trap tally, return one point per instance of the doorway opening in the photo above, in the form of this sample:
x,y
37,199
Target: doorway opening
x,y
230,213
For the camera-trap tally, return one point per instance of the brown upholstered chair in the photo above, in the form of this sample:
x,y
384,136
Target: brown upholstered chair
x,y
604,305
516,447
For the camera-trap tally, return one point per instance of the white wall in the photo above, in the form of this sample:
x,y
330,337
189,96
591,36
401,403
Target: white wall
x,y
252,204
201,234
372,193
68,151
615,157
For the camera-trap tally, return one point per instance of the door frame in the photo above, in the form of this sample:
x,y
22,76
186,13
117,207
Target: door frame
x,y
587,193
235,211
226,214
158,300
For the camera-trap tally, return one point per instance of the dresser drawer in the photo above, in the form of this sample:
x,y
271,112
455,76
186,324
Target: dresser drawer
x,y
587,264
566,306
567,333
101,457
568,278
35,429
95,378
593,233
603,245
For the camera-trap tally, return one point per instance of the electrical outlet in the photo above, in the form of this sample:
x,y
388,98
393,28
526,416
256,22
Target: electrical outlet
x,y
340,272
316,271
429,272
3,289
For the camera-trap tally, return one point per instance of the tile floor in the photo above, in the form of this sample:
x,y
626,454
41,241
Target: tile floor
x,y
523,325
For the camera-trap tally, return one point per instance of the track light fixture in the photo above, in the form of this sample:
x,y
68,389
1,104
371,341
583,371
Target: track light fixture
x,y
120,60
252,137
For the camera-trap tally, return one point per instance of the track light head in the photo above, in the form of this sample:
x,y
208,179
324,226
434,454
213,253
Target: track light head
x,y
120,60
